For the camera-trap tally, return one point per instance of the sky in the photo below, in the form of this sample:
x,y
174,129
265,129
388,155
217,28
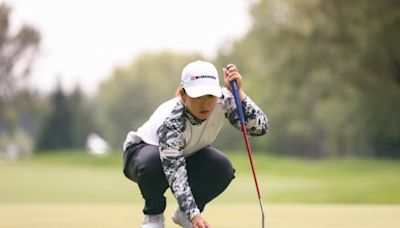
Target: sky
x,y
84,40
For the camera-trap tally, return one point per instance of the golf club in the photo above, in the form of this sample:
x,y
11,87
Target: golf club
x,y
249,152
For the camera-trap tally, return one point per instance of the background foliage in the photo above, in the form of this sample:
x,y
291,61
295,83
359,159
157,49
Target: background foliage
x,y
327,73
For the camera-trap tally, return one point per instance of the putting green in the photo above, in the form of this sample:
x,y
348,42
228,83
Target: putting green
x,y
75,190
220,215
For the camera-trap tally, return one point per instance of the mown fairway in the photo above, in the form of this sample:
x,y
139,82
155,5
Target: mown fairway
x,y
76,190
224,215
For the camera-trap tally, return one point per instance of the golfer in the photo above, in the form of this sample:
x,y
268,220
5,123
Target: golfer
x,y
172,149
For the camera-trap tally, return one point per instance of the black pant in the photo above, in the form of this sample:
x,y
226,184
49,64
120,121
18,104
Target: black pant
x,y
209,173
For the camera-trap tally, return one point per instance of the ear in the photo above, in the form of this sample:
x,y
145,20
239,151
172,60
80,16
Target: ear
x,y
183,95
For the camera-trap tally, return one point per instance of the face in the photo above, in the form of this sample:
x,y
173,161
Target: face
x,y
200,107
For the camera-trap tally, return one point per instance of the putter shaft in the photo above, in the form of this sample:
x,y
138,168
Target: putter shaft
x,y
249,151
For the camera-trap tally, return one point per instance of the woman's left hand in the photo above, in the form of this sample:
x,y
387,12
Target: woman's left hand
x,y
232,73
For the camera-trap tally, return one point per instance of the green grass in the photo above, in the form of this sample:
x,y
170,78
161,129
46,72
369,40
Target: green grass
x,y
72,189
79,177
220,215
288,180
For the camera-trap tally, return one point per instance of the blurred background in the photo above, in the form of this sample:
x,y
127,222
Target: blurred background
x,y
327,73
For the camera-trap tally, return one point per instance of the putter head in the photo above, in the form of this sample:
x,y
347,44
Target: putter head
x,y
262,214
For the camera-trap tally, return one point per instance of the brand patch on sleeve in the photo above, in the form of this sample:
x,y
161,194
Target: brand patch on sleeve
x,y
170,152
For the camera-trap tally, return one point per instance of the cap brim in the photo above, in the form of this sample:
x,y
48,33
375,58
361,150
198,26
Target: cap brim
x,y
198,91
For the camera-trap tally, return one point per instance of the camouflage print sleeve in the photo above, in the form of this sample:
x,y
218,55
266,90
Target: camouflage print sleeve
x,y
172,142
256,120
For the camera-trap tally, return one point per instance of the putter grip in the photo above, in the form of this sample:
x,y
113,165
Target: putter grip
x,y
237,101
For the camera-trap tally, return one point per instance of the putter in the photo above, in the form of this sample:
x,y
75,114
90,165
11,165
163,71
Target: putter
x,y
246,139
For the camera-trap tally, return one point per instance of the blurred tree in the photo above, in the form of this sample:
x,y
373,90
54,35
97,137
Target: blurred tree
x,y
17,52
18,105
83,118
327,73
57,130
69,121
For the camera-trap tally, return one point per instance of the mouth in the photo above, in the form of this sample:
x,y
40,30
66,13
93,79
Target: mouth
x,y
204,112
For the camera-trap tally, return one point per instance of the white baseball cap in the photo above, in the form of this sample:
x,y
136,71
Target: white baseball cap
x,y
200,78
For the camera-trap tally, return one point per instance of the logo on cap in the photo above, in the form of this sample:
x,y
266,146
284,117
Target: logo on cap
x,y
192,78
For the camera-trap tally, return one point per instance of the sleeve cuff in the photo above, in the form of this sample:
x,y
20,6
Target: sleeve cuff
x,y
196,212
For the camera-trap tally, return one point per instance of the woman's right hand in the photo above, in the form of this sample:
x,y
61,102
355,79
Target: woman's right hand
x,y
199,222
